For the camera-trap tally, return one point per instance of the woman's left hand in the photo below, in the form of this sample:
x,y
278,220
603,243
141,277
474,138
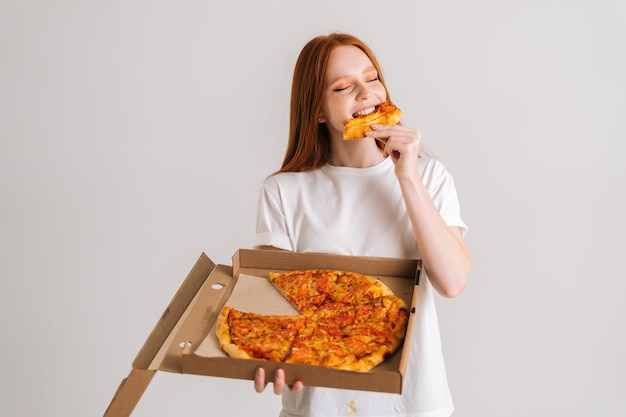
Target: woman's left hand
x,y
279,382
402,143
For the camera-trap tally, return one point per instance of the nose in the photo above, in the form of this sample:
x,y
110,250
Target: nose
x,y
363,92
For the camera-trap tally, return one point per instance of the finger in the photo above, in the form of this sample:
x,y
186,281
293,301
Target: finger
x,y
377,130
382,139
376,134
279,381
388,129
378,126
259,380
297,386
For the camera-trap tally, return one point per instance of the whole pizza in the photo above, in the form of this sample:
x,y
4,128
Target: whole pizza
x,y
348,321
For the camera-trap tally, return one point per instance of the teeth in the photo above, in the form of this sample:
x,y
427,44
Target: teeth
x,y
364,112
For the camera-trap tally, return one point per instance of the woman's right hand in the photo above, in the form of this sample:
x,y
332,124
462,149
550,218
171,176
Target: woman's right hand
x,y
279,382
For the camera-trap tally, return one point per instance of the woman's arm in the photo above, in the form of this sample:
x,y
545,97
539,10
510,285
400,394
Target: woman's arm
x,y
444,254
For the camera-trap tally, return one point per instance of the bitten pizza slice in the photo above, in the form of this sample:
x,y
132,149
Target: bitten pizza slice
x,y
386,113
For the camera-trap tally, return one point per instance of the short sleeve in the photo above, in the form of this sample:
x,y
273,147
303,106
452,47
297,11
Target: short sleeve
x,y
271,224
443,192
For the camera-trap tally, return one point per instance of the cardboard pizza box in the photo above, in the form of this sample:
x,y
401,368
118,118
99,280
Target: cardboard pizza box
x,y
183,340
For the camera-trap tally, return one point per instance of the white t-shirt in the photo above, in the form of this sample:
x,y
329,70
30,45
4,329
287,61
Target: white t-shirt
x,y
360,211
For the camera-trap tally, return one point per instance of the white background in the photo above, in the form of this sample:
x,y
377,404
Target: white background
x,y
134,135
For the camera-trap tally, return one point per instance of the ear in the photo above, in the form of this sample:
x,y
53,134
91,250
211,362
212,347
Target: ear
x,y
322,119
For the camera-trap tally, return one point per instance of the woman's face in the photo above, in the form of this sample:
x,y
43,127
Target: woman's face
x,y
352,87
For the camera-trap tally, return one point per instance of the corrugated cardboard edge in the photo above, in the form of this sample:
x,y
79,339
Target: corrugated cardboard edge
x,y
404,359
251,259
129,393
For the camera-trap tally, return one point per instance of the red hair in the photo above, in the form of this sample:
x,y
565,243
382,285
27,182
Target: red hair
x,y
309,140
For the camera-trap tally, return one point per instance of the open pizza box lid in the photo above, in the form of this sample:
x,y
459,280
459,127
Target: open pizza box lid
x,y
183,341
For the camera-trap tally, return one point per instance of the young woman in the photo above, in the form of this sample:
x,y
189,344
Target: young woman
x,y
376,196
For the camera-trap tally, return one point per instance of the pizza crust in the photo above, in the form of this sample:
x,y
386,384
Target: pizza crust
x,y
222,331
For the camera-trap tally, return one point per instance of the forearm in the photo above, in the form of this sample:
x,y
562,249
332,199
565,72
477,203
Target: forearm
x,y
444,254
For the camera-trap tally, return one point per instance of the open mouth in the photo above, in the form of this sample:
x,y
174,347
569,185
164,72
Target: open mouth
x,y
364,112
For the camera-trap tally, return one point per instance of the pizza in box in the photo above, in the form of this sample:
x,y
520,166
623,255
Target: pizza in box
x,y
347,321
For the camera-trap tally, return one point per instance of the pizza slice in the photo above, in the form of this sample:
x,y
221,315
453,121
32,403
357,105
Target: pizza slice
x,y
386,113
378,330
306,290
255,336
321,344
354,288
367,332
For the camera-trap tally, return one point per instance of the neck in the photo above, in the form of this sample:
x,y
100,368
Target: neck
x,y
357,153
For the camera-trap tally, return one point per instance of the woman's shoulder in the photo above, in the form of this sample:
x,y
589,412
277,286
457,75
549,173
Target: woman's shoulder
x,y
285,179
431,164
433,171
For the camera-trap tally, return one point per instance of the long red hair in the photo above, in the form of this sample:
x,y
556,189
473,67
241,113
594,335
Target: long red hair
x,y
309,140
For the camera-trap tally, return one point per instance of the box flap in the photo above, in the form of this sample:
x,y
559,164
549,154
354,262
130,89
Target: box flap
x,y
251,261
154,353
